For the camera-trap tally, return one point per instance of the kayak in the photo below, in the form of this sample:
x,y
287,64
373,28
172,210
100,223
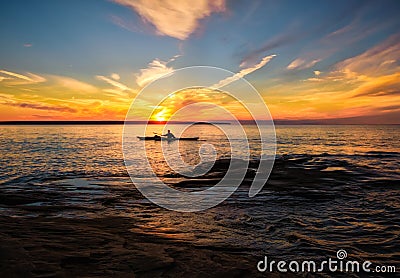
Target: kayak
x,y
158,138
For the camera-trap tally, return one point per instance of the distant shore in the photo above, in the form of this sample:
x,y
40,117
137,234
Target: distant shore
x,y
107,122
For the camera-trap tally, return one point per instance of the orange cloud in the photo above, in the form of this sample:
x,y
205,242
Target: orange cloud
x,y
174,18
204,101
41,107
10,100
73,84
366,84
58,97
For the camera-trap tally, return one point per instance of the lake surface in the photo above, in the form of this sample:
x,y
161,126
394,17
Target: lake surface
x,y
332,187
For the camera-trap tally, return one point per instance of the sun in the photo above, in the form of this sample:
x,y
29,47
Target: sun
x,y
161,116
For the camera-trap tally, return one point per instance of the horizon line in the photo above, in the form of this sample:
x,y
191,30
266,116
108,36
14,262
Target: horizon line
x,y
249,122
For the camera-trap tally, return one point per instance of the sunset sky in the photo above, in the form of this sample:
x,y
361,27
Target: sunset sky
x,y
87,60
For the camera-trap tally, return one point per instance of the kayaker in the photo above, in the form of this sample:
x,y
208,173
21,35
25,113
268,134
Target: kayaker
x,y
169,135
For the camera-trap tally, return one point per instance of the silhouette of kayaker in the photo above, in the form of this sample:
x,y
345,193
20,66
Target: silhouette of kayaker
x,y
169,135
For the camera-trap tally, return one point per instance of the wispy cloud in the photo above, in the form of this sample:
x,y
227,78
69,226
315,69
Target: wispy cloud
x,y
348,35
62,97
42,107
125,24
173,18
73,84
358,86
243,72
154,70
10,100
300,63
283,39
374,73
388,85
381,59
3,78
14,78
114,83
115,76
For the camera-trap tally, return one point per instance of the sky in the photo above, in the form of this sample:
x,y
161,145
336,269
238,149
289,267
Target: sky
x,y
309,60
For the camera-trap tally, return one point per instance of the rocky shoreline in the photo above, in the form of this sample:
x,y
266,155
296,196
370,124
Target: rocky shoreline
x,y
42,247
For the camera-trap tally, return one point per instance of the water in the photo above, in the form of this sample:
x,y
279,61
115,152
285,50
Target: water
x,y
332,187
40,152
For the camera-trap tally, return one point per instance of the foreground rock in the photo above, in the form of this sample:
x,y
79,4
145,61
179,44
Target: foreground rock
x,y
42,247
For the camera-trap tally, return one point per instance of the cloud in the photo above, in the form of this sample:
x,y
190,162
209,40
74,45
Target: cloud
x,y
4,78
6,96
360,27
14,78
174,18
389,108
127,25
288,37
73,84
317,72
383,86
114,83
381,59
11,100
115,76
38,106
314,79
17,75
373,73
62,97
154,70
361,85
302,64
198,104
243,72
28,45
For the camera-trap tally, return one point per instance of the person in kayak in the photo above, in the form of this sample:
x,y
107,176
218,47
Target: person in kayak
x,y
169,135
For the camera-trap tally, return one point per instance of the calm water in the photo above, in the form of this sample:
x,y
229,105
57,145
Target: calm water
x,y
332,187
30,153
